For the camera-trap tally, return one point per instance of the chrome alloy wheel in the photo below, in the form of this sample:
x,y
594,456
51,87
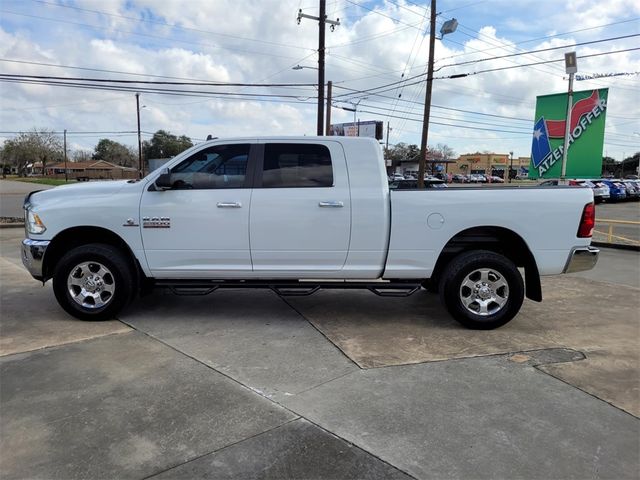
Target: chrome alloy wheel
x,y
484,292
91,285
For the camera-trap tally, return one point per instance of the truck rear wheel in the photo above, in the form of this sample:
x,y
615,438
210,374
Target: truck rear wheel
x,y
93,282
481,289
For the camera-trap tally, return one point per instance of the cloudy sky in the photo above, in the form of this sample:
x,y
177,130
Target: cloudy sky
x,y
378,43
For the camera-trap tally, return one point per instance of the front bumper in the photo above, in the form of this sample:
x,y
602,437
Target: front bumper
x,y
581,259
33,255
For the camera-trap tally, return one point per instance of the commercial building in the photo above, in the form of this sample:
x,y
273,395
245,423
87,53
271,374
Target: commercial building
x,y
490,164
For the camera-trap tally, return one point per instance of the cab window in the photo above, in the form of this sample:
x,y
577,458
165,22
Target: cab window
x,y
220,166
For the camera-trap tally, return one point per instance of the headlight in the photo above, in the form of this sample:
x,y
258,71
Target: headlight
x,y
34,223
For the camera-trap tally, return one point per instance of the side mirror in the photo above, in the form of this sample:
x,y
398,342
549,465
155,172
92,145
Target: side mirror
x,y
163,181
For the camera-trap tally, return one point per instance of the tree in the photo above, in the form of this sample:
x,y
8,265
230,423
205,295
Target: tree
x,y
114,152
165,145
33,146
440,152
81,155
402,152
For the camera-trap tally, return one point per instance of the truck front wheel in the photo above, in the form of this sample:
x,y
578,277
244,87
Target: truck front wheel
x,y
93,282
481,289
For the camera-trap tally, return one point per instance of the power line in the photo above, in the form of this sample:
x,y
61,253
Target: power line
x,y
149,82
372,91
179,93
547,37
531,52
452,125
384,110
124,88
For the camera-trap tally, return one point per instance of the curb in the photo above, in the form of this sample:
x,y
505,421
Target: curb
x,y
617,246
11,225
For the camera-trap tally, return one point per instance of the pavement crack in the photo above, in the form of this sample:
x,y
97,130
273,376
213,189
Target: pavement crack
x,y
198,457
337,347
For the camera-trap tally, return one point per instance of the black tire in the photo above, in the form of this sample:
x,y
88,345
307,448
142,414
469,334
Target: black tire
x,y
469,267
115,287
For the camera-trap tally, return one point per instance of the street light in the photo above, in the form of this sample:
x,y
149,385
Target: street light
x,y
300,67
355,111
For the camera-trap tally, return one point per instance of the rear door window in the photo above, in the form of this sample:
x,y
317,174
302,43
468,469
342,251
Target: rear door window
x,y
291,165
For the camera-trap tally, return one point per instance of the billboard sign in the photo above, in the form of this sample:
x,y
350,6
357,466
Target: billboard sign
x,y
586,138
369,128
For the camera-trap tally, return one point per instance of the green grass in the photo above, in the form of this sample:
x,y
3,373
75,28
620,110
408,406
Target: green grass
x,y
43,181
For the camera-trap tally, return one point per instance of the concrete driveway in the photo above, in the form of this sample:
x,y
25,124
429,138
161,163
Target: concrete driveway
x,y
243,384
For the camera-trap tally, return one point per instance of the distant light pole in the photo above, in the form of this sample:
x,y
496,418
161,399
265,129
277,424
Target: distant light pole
x,y
510,165
571,67
356,123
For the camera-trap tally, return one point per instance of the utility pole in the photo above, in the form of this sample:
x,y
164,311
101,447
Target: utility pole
x,y
66,175
571,67
322,21
140,166
327,129
427,99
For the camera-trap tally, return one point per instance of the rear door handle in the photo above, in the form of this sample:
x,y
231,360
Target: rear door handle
x,y
229,205
331,204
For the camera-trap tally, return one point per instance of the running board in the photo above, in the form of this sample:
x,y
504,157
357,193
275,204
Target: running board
x,y
397,288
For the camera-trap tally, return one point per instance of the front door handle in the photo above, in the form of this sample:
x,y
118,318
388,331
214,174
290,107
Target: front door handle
x,y
229,205
331,204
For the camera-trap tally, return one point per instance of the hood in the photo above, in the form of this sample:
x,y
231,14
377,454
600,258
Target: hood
x,y
78,191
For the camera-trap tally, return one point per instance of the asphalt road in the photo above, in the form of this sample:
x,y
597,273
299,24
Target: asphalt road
x,y
12,196
622,233
343,384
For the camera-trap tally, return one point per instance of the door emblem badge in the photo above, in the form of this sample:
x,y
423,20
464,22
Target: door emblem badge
x,y
156,222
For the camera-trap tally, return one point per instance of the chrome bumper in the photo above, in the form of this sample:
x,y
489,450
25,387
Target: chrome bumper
x,y
581,259
33,255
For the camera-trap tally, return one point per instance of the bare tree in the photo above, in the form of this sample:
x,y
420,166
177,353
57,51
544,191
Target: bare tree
x,y
31,147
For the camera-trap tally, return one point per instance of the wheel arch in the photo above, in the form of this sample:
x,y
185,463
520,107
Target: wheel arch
x,y
73,237
499,240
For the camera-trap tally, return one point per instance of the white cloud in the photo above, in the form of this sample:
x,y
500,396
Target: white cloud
x,y
259,41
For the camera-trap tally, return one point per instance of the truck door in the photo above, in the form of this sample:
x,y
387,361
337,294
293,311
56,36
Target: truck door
x,y
300,218
200,227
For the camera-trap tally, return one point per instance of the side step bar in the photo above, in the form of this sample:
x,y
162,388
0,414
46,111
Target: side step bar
x,y
397,288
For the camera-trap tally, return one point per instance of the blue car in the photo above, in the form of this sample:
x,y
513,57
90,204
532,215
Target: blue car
x,y
617,190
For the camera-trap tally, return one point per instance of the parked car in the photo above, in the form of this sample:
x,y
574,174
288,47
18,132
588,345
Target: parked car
x,y
633,192
413,184
297,214
477,178
600,191
396,176
459,178
495,179
617,191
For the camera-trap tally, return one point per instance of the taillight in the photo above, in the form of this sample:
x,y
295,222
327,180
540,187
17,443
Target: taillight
x,y
588,221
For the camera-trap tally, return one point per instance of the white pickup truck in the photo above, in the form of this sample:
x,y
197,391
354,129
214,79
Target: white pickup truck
x,y
296,215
